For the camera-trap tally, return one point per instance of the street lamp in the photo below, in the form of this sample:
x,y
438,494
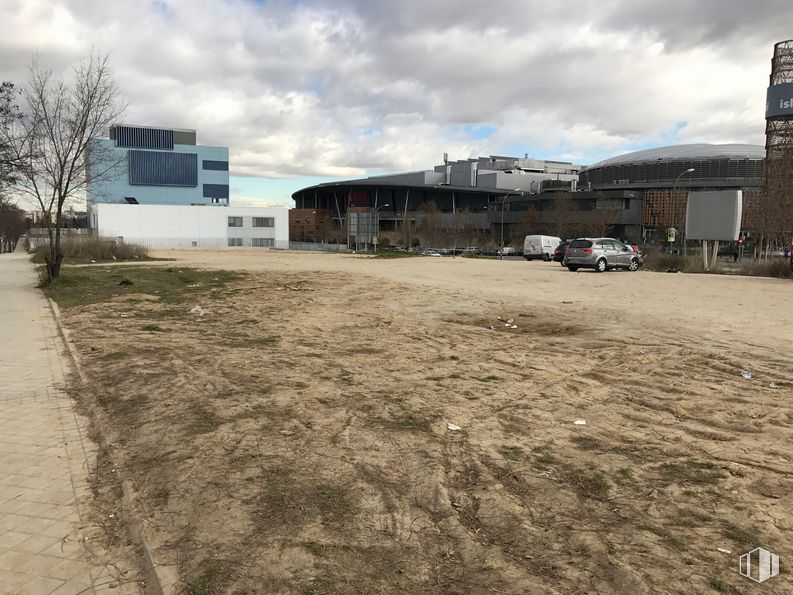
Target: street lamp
x,y
377,222
674,189
502,218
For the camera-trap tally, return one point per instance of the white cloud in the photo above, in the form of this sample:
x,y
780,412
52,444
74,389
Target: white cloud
x,y
345,87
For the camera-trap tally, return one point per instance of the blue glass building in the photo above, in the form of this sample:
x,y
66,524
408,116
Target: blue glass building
x,y
157,166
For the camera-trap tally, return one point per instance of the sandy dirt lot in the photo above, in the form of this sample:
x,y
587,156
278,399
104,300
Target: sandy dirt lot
x,y
295,438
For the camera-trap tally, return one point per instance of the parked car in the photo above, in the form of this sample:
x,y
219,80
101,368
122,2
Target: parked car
x,y
535,247
558,254
432,253
600,254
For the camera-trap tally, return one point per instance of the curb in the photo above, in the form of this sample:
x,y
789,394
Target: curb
x,y
160,577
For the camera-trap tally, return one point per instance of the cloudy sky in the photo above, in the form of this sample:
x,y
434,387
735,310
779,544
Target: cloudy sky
x,y
305,91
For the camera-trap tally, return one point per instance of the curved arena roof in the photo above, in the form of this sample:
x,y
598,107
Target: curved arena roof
x,y
677,152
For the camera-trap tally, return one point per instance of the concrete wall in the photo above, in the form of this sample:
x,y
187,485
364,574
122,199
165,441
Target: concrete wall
x,y
176,226
114,186
413,178
526,181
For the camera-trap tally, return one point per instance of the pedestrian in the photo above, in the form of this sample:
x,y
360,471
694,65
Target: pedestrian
x,y
787,251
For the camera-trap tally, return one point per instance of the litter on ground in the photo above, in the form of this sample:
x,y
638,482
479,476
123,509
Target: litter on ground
x,y
453,427
747,375
580,422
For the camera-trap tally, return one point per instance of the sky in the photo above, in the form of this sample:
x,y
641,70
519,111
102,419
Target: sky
x,y
309,91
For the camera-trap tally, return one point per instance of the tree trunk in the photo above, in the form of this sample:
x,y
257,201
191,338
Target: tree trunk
x,y
54,258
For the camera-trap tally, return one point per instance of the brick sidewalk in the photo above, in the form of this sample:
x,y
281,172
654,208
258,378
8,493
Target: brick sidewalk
x,y
47,543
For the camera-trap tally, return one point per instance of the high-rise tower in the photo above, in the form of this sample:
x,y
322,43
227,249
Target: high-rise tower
x,y
779,142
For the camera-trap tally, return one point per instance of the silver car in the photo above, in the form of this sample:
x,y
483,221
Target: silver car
x,y
600,254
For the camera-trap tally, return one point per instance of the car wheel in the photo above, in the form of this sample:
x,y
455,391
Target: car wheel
x,y
600,265
634,265
572,268
546,257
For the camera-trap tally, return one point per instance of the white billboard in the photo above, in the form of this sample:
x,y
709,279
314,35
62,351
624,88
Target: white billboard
x,y
714,215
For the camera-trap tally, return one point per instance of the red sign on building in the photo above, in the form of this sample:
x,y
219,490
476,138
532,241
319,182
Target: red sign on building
x,y
358,199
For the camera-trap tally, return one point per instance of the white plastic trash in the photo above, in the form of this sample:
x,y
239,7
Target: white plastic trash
x,y
580,422
453,427
746,374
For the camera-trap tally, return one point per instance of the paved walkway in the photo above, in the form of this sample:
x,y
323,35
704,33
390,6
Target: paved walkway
x,y
47,543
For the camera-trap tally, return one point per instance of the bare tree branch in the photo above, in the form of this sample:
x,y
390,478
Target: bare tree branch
x,y
51,141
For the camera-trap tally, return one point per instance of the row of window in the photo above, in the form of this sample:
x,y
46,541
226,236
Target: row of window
x,y
257,222
255,242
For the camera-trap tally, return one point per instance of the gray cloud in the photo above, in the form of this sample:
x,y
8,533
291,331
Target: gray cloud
x,y
341,87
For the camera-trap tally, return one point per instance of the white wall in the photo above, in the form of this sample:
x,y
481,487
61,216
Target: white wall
x,y
177,226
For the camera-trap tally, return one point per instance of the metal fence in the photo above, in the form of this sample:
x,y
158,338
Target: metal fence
x,y
187,243
313,247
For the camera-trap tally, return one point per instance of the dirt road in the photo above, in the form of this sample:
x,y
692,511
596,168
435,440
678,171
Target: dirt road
x,y
743,309
296,438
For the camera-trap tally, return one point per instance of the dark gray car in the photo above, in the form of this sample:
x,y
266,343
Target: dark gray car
x,y
600,254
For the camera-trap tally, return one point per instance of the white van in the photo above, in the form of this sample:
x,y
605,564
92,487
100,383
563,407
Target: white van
x,y
540,247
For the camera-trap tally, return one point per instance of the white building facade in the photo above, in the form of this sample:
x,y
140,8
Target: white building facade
x,y
183,226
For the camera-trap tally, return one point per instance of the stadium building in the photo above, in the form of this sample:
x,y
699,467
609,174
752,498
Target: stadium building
x,y
665,175
636,197
465,193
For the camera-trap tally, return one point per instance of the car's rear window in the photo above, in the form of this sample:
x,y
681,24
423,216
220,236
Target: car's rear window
x,y
581,244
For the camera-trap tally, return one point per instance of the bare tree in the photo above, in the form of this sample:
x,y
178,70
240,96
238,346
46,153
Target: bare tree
x,y
430,223
600,221
525,227
467,228
562,219
60,124
9,113
12,225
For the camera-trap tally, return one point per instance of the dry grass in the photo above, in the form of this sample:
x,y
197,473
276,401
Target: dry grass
x,y
94,248
661,262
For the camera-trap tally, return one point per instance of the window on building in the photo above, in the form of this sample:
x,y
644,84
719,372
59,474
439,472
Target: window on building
x,y
264,221
263,242
216,190
611,203
235,241
215,165
235,221
160,168
131,200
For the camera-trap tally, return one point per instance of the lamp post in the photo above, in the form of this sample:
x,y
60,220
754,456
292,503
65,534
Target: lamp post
x,y
377,222
503,200
674,189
